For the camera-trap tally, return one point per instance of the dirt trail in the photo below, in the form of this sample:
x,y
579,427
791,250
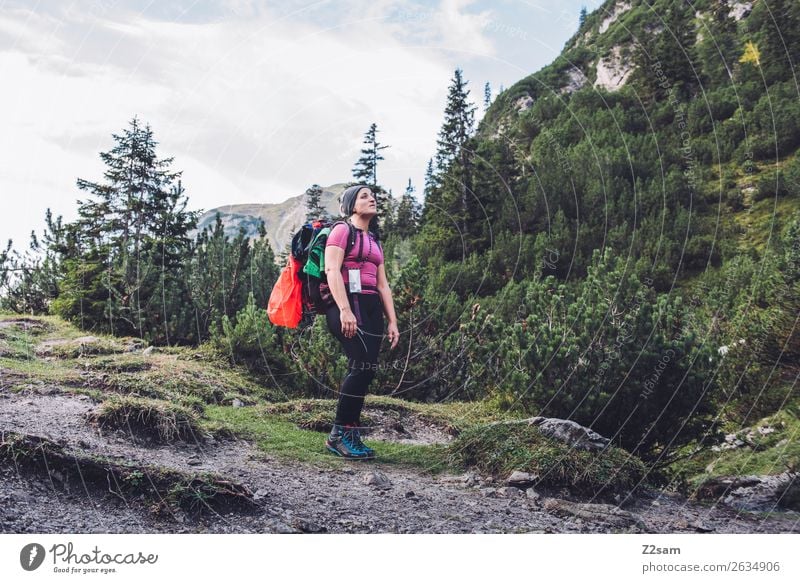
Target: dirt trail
x,y
298,497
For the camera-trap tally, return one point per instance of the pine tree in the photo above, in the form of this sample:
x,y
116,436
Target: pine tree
x,y
454,167
582,17
314,208
366,168
459,119
408,214
366,172
130,238
487,96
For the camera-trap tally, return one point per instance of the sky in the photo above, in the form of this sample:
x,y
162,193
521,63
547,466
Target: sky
x,y
254,100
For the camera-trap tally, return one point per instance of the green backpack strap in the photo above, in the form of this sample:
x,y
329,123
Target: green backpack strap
x,y
315,264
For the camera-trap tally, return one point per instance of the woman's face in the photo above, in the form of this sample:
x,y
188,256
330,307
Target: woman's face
x,y
366,205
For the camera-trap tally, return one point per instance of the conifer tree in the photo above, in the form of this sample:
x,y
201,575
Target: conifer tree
x,y
407,218
487,96
366,171
130,237
314,208
453,163
366,168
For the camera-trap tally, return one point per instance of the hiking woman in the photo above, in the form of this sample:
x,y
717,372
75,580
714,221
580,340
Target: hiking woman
x,y
362,296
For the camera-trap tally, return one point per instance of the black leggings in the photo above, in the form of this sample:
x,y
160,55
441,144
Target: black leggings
x,y
362,353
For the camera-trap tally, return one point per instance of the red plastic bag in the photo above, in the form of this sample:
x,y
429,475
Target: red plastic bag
x,y
285,306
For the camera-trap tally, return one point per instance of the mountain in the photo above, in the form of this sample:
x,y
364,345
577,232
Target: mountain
x,y
666,130
281,219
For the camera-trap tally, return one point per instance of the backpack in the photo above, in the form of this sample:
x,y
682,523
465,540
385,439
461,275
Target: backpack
x,y
308,248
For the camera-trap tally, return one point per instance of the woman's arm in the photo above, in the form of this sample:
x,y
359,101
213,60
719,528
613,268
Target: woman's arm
x,y
388,305
334,256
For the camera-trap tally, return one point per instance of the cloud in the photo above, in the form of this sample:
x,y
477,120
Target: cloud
x,y
254,105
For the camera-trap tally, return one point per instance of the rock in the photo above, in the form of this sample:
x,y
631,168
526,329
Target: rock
x,y
237,403
740,10
510,492
489,492
521,479
619,8
148,351
714,488
410,494
576,80
700,527
767,494
523,103
532,494
570,433
605,513
612,71
377,479
307,526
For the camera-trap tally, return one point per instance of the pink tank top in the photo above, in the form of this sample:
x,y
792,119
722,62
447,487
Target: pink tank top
x,y
366,248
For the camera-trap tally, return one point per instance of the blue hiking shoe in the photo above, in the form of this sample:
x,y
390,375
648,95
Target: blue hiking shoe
x,y
343,441
357,439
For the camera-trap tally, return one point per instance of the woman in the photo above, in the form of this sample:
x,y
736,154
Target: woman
x,y
361,293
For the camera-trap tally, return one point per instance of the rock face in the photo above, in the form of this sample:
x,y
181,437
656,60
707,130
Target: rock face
x,y
618,9
570,433
612,71
576,81
523,103
740,10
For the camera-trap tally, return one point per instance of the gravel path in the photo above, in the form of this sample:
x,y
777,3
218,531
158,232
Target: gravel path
x,y
297,497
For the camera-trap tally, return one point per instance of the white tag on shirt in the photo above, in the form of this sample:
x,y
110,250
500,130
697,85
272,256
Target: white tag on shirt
x,y
354,280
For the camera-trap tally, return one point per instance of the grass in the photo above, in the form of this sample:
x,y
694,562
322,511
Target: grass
x,y
499,449
283,439
318,414
162,421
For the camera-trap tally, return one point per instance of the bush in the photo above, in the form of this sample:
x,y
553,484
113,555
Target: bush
x,y
607,353
251,340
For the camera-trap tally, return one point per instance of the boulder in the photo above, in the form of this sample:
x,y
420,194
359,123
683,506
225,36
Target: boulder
x,y
521,479
571,433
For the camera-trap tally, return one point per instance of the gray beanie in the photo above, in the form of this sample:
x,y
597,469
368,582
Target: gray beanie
x,y
348,199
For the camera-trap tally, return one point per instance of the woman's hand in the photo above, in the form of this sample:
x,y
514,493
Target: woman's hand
x,y
394,335
349,322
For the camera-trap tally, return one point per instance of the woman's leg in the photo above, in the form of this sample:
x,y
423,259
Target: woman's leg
x,y
362,355
372,314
